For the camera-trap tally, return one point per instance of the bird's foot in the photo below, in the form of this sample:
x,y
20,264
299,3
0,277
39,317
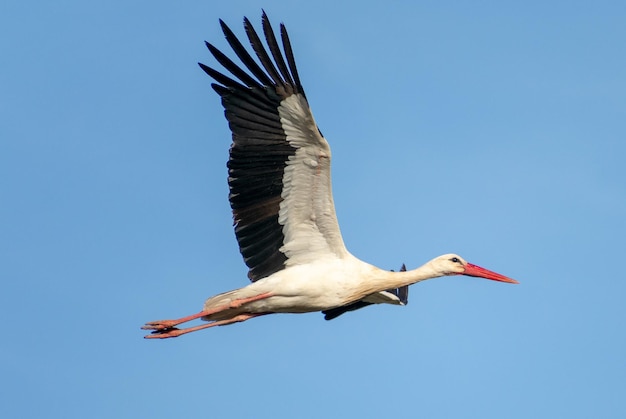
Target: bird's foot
x,y
160,325
163,325
172,332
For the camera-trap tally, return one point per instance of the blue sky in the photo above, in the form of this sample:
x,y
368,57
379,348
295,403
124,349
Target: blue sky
x,y
495,130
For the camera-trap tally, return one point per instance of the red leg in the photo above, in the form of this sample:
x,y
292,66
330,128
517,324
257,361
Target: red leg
x,y
174,332
169,324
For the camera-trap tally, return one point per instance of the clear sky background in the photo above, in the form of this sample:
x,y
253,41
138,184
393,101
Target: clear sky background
x,y
496,130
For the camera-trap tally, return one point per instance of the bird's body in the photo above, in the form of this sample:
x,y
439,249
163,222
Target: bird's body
x,y
283,210
323,284
305,288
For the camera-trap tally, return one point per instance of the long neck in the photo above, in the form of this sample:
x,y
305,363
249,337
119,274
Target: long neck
x,y
400,279
381,280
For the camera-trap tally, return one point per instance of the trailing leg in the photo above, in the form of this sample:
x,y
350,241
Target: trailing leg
x,y
174,332
166,325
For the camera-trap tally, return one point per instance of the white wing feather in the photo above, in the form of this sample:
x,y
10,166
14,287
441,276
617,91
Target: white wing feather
x,y
307,212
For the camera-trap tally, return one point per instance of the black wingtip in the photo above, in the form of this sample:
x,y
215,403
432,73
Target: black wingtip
x,y
226,29
219,89
203,67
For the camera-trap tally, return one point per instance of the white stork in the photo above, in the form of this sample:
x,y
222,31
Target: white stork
x,y
280,195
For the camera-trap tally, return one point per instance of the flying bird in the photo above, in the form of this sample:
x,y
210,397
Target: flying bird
x,y
282,203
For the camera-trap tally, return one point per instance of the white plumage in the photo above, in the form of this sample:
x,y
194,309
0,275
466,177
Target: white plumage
x,y
281,197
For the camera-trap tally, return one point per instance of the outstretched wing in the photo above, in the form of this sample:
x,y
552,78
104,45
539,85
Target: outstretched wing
x,y
279,166
397,296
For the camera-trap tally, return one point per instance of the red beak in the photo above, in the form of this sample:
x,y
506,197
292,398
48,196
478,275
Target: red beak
x,y
473,270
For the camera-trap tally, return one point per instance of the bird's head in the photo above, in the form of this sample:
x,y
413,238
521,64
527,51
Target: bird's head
x,y
452,264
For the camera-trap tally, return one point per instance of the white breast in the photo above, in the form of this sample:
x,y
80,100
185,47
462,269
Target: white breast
x,y
316,286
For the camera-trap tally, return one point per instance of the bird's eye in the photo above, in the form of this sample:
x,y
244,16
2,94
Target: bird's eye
x,y
455,260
